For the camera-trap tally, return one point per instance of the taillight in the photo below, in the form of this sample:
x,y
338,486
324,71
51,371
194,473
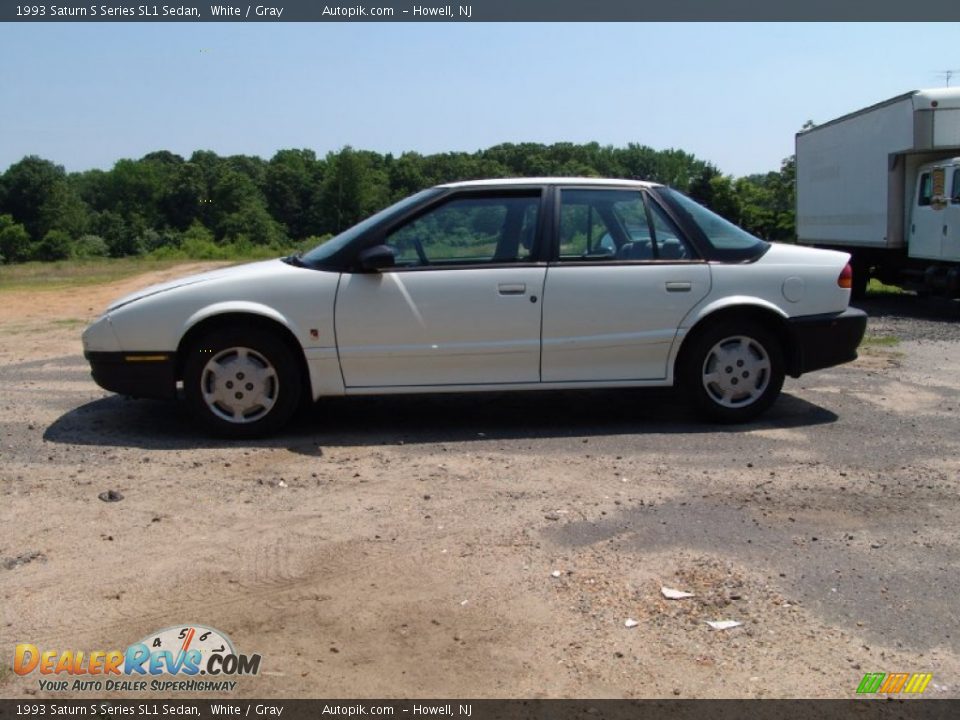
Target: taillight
x,y
846,277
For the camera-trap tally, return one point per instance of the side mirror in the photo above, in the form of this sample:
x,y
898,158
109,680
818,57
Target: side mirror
x,y
377,258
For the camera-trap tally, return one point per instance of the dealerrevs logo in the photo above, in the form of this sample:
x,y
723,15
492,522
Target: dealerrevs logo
x,y
181,651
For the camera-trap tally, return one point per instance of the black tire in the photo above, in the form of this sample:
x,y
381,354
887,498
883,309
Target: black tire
x,y
752,385
262,391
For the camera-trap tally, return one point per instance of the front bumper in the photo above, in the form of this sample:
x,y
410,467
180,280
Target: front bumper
x,y
820,341
138,374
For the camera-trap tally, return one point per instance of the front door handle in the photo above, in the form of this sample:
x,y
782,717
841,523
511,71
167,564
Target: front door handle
x,y
679,286
512,288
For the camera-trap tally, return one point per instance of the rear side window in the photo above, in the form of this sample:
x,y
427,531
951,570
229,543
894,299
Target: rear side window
x,y
725,240
721,233
616,225
955,188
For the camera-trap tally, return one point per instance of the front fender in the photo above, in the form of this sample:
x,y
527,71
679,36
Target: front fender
x,y
247,308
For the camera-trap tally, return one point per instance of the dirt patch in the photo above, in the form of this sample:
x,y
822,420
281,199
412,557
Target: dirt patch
x,y
78,305
407,546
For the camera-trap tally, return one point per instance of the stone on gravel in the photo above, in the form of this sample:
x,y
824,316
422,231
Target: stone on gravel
x,y
14,562
723,624
672,594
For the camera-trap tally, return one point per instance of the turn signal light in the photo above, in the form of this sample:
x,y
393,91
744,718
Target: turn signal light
x,y
846,277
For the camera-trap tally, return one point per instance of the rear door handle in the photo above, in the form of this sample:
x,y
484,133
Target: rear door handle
x,y
512,289
678,286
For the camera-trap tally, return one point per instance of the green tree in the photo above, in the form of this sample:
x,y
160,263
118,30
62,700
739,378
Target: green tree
x,y
724,199
406,175
352,189
14,240
290,183
239,209
63,210
182,195
27,186
89,246
113,228
252,223
134,187
55,245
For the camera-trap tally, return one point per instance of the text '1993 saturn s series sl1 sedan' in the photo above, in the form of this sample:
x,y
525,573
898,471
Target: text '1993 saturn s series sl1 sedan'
x,y
491,285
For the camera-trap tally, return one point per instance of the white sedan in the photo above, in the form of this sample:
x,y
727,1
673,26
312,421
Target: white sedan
x,y
520,284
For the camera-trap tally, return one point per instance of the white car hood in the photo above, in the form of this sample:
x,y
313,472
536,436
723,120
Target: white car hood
x,y
236,271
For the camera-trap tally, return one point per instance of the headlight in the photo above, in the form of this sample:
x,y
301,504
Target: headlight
x,y
100,336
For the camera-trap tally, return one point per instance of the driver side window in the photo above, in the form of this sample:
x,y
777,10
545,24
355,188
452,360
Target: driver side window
x,y
469,231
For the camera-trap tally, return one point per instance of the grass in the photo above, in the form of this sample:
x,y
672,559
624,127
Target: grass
x,y
875,287
74,273
880,341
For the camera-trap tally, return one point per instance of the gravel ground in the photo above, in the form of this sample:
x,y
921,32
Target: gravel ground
x,y
495,546
909,317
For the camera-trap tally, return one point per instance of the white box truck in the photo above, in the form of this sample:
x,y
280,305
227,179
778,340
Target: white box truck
x,y
883,184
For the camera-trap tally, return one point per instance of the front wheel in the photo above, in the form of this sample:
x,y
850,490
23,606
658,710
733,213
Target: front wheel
x,y
733,372
241,384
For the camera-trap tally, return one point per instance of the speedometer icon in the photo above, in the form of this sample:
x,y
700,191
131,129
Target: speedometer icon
x,y
181,639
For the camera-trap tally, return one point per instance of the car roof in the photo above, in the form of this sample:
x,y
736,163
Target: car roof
x,y
579,181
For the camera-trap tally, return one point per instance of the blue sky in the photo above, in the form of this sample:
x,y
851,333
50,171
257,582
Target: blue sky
x,y
85,95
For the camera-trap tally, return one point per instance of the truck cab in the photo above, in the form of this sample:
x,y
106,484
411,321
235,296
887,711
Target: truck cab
x,y
934,232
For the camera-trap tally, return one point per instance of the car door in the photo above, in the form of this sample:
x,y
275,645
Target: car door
x,y
951,221
623,279
926,223
462,304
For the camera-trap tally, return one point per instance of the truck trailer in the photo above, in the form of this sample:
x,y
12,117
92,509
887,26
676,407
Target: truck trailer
x,y
883,184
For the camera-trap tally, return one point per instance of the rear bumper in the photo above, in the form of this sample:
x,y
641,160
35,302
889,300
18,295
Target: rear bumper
x,y
821,341
139,374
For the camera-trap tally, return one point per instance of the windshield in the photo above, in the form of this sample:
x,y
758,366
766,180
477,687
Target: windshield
x,y
721,234
328,249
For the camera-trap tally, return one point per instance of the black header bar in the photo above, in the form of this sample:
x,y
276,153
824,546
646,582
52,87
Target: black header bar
x,y
872,709
480,11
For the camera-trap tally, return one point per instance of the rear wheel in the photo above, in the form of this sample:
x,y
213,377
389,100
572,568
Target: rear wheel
x,y
733,372
242,383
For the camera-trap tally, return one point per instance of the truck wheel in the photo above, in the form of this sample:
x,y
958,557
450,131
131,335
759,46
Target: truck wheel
x,y
241,383
733,371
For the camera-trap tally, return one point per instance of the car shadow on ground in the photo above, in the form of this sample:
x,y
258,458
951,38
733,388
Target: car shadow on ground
x,y
395,420
909,306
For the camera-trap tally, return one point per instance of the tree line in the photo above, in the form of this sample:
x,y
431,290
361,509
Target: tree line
x,y
211,206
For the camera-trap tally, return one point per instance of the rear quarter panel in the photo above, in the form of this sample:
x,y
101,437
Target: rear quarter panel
x,y
789,280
